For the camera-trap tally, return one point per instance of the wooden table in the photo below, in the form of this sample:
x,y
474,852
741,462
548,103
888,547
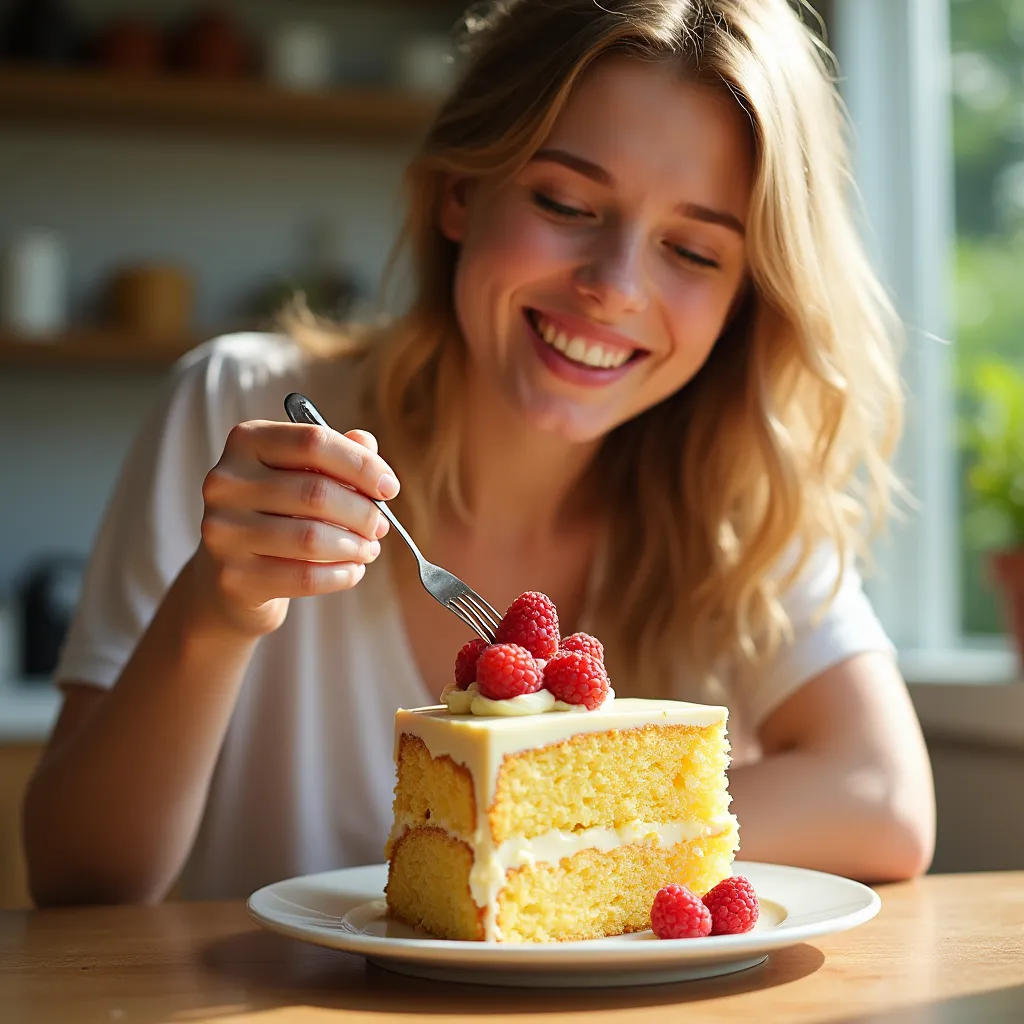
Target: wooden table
x,y
944,948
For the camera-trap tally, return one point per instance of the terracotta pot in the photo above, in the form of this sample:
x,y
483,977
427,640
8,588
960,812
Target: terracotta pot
x,y
1008,572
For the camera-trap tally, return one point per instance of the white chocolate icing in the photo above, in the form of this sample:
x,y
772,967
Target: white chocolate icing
x,y
480,744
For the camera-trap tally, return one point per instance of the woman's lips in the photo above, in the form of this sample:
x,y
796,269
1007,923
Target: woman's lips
x,y
571,370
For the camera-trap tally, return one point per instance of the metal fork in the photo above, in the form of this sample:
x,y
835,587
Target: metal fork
x,y
442,585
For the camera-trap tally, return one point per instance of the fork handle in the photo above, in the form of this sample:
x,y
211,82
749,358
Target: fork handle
x,y
301,410
393,520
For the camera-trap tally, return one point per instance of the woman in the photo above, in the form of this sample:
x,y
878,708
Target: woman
x,y
647,370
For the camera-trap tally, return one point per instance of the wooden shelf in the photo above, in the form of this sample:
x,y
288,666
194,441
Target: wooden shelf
x,y
253,108
94,346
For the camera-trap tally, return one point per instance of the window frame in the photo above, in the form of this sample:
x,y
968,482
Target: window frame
x,y
894,59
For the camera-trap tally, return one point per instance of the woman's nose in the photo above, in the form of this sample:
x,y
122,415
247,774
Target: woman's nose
x,y
612,275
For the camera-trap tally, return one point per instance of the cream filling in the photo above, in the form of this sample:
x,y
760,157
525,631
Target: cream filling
x,y
472,702
491,865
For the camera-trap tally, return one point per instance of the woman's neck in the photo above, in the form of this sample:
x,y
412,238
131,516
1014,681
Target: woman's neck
x,y
518,479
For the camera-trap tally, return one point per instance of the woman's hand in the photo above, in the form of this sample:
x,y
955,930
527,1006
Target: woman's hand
x,y
287,513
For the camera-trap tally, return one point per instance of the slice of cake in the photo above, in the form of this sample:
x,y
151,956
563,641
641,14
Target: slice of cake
x,y
534,806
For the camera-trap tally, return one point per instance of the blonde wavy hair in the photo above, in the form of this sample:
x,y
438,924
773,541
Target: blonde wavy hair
x,y
782,441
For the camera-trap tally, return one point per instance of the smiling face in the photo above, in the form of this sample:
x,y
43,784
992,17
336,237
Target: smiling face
x,y
595,283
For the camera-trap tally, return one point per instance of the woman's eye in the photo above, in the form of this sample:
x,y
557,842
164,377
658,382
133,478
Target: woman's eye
x,y
545,202
692,257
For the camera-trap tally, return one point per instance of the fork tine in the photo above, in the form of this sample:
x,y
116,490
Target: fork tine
x,y
474,600
480,624
457,610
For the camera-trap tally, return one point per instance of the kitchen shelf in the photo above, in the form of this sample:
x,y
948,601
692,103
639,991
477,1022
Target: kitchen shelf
x,y
94,346
253,108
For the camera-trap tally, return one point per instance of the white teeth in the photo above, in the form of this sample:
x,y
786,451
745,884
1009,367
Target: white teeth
x,y
578,350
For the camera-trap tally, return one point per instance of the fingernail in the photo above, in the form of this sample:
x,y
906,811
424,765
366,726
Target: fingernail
x,y
382,526
387,485
374,549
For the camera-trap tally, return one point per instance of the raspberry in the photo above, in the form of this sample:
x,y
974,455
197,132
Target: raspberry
x,y
585,644
531,622
506,670
577,678
678,913
465,663
733,906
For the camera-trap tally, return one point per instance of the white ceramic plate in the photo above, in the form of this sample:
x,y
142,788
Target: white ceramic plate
x,y
345,910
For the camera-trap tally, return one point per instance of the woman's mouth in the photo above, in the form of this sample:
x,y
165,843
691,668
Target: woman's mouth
x,y
578,353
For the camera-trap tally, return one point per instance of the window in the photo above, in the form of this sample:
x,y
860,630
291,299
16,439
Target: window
x,y
935,90
987,43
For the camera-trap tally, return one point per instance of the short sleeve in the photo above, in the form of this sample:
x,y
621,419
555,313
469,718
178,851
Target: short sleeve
x,y
151,525
824,633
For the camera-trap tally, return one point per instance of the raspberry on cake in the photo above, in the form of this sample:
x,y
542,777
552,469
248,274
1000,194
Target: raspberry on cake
x,y
532,819
585,644
506,670
576,678
465,662
531,621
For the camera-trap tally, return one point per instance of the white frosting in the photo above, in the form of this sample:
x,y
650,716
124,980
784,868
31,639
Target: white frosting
x,y
472,702
480,744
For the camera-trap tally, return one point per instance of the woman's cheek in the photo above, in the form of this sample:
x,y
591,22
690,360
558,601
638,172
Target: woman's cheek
x,y
524,241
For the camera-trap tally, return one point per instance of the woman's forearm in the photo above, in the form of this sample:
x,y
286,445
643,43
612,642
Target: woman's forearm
x,y
840,815
112,811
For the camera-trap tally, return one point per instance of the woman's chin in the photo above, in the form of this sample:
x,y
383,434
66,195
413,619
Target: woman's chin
x,y
567,421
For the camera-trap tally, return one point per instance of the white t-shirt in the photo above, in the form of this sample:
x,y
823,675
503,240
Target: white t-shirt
x,y
305,778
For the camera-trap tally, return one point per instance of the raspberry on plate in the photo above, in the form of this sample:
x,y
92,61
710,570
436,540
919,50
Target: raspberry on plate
x,y
733,906
531,622
465,662
678,913
585,644
577,678
506,670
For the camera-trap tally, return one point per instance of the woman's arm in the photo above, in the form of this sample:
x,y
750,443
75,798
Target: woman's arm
x,y
845,784
113,807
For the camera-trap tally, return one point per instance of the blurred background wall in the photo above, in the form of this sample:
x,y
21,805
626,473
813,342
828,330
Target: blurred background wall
x,y
266,191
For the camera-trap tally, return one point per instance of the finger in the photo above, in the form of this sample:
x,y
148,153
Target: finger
x,y
309,496
363,437
285,577
288,537
304,446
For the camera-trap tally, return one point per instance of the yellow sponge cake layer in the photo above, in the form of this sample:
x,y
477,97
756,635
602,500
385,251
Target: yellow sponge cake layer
x,y
597,893
435,790
555,826
593,780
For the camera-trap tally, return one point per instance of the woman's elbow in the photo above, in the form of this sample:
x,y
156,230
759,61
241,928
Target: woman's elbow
x,y
904,845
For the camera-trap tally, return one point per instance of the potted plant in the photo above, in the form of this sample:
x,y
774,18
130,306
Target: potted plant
x,y
994,442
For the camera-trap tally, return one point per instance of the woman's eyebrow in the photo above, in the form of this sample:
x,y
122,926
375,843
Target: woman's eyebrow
x,y
575,163
595,172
